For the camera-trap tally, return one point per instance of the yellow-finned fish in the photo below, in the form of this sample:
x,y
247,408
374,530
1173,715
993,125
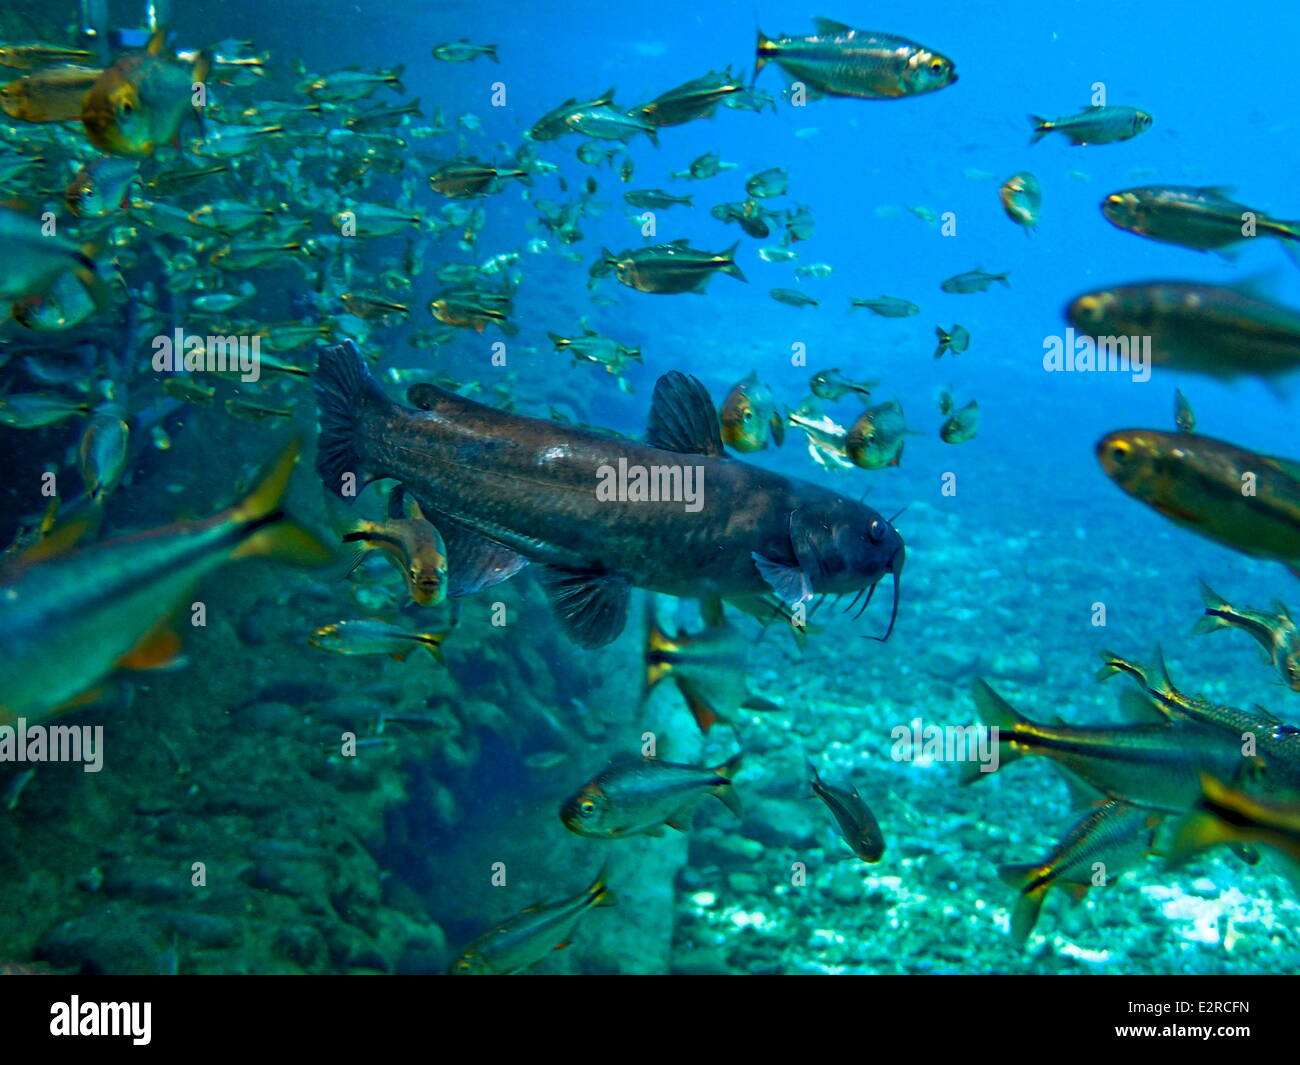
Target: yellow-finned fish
x,y
139,102
414,546
1109,838
1276,632
531,935
69,614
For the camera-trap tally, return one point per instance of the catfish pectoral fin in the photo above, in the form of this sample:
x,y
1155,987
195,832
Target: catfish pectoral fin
x,y
790,583
473,561
591,606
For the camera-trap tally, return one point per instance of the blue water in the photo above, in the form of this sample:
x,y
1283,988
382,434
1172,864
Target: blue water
x,y
1014,563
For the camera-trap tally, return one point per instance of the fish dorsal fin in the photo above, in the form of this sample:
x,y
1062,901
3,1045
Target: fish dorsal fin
x,y
681,242
1288,466
682,418
828,27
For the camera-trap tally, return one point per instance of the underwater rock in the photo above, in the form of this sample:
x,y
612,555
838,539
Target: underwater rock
x,y
950,663
1020,664
776,822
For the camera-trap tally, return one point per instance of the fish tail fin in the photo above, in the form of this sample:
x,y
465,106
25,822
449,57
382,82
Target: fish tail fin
x,y
1198,831
1112,664
269,531
997,713
1215,606
1003,278
814,777
657,643
729,267
1042,127
490,50
724,790
762,49
346,394
1027,879
432,642
599,892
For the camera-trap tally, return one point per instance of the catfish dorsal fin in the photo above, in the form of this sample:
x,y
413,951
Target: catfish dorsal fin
x,y
682,418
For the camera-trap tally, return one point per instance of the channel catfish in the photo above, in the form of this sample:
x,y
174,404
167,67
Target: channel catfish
x,y
506,490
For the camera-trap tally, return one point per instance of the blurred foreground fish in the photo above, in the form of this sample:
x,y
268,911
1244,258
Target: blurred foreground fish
x,y
842,61
641,796
1094,125
1203,219
30,56
1197,482
32,258
1223,332
55,94
1094,852
138,103
1224,814
69,615
531,935
857,824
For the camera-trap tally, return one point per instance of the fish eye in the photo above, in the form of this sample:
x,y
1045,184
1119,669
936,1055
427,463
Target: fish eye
x,y
877,530
937,65
1115,199
1119,451
587,808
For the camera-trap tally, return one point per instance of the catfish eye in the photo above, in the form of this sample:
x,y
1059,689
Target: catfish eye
x,y
877,530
